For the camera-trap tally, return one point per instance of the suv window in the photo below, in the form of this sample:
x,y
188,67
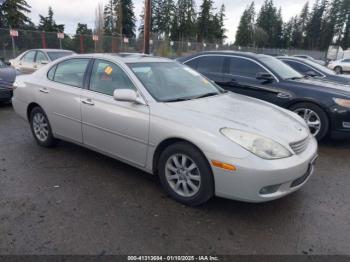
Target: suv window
x,y
40,56
346,60
244,67
210,64
71,72
107,77
301,68
29,57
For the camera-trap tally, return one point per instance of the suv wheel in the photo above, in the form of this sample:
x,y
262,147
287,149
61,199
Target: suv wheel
x,y
338,70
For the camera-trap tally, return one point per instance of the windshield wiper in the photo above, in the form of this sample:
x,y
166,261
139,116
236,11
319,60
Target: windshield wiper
x,y
206,95
177,100
294,78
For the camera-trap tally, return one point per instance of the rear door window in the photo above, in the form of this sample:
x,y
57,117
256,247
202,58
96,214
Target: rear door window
x,y
210,64
71,72
29,57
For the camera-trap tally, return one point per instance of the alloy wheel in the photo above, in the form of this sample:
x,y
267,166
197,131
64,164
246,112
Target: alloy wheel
x,y
40,127
311,118
183,175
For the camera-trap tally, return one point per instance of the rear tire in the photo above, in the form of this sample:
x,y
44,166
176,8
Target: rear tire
x,y
338,70
185,174
41,129
313,114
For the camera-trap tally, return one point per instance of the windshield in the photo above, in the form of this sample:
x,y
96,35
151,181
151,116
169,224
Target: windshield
x,y
281,69
320,67
170,81
56,55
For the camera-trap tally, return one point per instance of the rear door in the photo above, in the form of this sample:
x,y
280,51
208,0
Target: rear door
x,y
26,63
210,66
346,64
62,97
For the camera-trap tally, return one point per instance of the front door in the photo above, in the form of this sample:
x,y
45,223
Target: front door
x,y
120,129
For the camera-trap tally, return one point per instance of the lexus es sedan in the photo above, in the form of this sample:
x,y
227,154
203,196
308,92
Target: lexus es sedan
x,y
324,106
312,69
167,119
31,60
7,77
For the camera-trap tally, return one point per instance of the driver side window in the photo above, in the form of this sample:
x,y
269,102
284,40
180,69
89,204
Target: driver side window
x,y
107,77
244,67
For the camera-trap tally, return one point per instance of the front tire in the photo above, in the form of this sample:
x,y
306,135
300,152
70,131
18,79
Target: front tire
x,y
41,128
185,174
315,118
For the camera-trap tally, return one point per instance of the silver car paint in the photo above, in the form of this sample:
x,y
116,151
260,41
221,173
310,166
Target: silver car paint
x,y
132,132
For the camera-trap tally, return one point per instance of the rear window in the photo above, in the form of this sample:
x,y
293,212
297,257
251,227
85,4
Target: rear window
x,y
56,55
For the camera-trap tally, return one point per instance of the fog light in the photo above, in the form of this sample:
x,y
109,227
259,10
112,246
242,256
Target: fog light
x,y
269,189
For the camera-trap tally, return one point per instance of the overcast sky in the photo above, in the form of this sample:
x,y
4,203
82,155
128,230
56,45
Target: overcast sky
x,y
70,12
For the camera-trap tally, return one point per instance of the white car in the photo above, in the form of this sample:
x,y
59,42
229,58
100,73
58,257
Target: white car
x,y
167,119
33,59
340,66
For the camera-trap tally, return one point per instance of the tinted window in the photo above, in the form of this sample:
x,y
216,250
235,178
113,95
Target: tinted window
x,y
301,68
192,63
29,57
278,67
244,67
346,60
40,56
71,72
210,64
107,77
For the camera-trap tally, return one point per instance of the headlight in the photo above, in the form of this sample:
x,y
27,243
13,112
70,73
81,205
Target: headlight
x,y
258,145
342,102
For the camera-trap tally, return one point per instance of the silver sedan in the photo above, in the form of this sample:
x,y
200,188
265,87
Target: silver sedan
x,y
169,120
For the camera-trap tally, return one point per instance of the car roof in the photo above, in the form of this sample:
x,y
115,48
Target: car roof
x,y
51,50
229,52
128,57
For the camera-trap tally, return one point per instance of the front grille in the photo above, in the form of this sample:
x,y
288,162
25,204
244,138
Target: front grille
x,y
300,146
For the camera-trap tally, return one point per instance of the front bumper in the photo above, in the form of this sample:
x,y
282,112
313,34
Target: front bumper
x,y
340,123
5,94
256,177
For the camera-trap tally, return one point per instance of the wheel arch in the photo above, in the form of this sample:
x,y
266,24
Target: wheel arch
x,y
30,108
170,141
311,101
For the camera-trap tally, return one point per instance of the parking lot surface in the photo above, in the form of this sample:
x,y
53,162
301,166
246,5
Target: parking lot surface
x,y
70,200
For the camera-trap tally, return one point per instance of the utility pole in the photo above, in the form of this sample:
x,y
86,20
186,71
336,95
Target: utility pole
x,y
147,25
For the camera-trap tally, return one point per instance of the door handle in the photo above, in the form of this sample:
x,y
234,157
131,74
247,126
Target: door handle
x,y
43,90
88,101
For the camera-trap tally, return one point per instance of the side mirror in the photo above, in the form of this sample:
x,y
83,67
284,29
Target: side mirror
x,y
44,62
264,76
128,95
311,73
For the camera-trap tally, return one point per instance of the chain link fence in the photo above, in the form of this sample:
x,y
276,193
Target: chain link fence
x,y
12,46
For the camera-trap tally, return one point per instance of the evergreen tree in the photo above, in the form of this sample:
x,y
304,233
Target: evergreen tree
x,y
109,17
245,31
124,10
270,21
13,13
48,23
205,20
219,26
314,26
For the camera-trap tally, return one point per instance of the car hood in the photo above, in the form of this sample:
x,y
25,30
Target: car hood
x,y
7,74
244,113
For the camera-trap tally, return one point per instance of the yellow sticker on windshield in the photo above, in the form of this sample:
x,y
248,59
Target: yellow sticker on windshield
x,y
108,70
205,81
